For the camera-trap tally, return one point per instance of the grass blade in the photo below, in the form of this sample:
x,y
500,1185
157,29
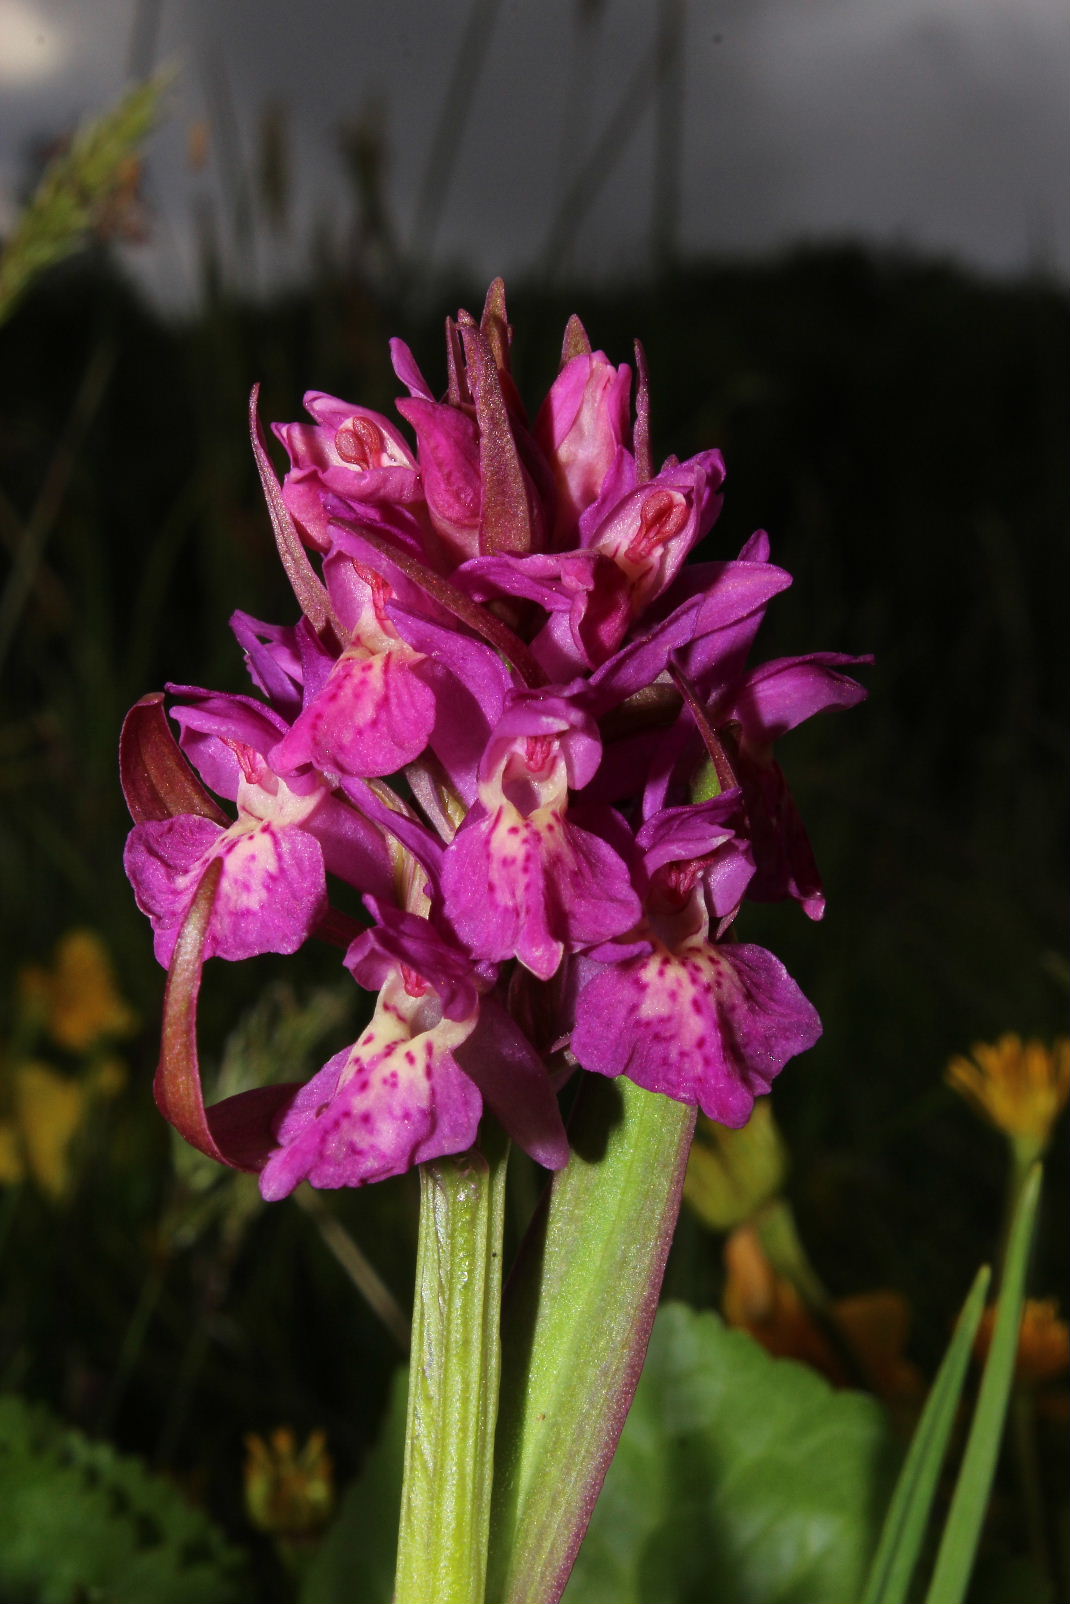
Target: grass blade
x,y
954,1561
908,1513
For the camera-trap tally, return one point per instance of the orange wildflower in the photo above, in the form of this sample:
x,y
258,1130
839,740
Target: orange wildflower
x,y
1020,1087
871,1327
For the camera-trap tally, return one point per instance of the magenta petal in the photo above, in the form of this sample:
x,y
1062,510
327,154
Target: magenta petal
x,y
449,467
782,694
372,716
408,371
211,723
531,887
165,860
374,1110
271,894
711,1025
783,856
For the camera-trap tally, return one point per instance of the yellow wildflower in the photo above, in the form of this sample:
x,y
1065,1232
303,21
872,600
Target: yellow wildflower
x,y
47,1110
289,1493
1020,1087
77,1000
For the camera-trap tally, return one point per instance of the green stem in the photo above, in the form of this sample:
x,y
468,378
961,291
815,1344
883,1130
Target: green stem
x,y
453,1387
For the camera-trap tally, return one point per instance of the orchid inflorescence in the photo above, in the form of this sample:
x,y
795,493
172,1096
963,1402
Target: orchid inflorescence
x,y
517,724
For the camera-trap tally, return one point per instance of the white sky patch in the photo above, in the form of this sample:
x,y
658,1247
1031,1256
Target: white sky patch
x,y
33,46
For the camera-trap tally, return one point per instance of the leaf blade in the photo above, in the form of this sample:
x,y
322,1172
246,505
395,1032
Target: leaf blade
x,y
958,1546
908,1513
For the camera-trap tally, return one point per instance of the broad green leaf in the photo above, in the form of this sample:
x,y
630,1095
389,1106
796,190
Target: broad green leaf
x,y
908,1514
355,1561
79,1521
739,1479
958,1546
577,1319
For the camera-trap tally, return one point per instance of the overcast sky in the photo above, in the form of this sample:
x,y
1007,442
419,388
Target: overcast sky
x,y
941,124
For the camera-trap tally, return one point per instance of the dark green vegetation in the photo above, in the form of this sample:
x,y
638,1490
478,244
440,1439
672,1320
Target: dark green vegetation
x,y
900,430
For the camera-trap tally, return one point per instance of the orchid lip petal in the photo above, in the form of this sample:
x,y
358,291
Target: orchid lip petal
x,y
710,1025
396,1098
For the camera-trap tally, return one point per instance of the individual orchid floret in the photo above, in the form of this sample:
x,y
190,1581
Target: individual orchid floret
x,y
522,878
587,598
401,1095
349,452
373,712
272,891
706,1022
396,1098
582,425
651,530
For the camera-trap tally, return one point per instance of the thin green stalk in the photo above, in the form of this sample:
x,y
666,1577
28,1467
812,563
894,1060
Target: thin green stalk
x,y
907,1519
958,1547
453,1386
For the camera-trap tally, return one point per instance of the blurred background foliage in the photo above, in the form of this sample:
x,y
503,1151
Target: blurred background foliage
x,y
897,424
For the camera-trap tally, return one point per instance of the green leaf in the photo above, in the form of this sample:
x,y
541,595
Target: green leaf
x,y
79,1521
954,1560
908,1514
357,1557
578,1315
739,1479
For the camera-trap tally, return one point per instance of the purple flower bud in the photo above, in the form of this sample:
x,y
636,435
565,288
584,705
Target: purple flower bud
x,y
581,427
